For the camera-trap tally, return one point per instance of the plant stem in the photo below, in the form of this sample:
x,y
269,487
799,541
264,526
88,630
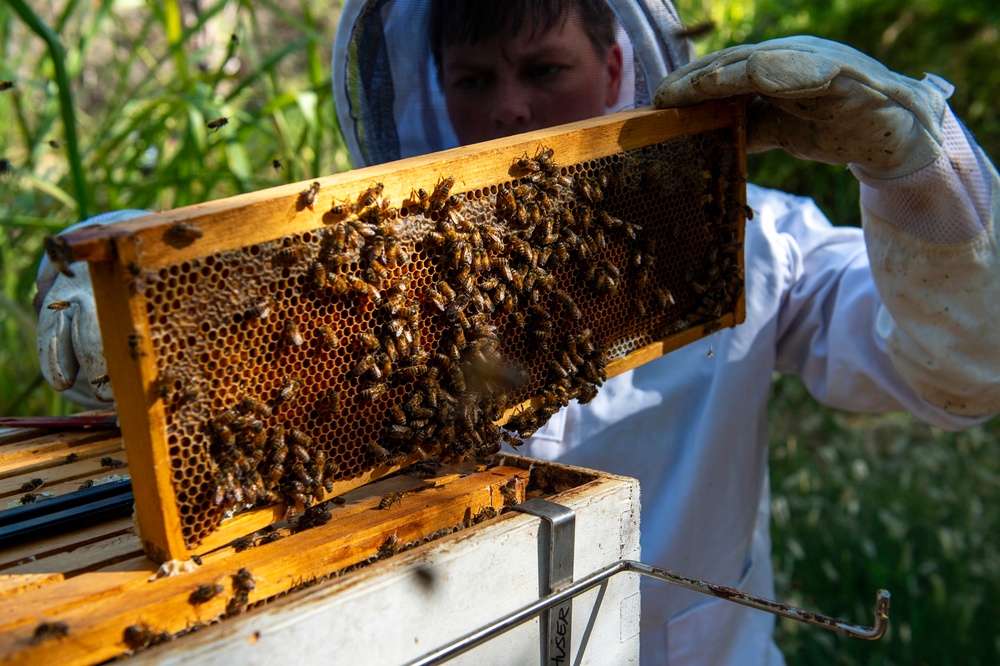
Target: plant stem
x,y
66,107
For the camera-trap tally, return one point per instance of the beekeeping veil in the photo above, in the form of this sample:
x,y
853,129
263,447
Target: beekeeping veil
x,y
385,84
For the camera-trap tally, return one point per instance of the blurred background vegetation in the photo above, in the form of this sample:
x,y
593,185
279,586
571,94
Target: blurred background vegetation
x,y
109,110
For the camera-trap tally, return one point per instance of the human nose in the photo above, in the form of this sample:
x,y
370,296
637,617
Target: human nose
x,y
511,109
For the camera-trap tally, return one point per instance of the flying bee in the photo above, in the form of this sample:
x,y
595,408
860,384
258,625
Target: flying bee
x,y
204,593
307,197
291,333
6,168
217,123
276,164
184,232
288,390
6,85
390,500
100,381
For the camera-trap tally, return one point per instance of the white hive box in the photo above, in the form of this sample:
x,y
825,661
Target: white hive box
x,y
401,608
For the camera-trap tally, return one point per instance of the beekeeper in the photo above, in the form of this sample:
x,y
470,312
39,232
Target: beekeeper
x,y
899,315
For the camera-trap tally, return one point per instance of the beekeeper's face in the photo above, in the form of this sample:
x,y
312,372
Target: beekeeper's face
x,y
503,86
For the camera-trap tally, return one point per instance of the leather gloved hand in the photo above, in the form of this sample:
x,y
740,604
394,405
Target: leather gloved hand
x,y
823,101
70,352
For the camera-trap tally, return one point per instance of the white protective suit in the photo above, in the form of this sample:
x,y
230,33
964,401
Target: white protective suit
x,y
691,426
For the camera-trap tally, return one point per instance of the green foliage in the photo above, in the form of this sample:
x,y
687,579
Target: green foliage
x,y
861,503
138,83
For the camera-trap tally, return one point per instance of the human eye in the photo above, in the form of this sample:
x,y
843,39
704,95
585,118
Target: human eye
x,y
544,71
469,81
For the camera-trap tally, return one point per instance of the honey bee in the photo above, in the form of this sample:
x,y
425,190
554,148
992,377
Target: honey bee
x,y
251,405
89,483
329,404
185,232
664,297
113,463
204,593
29,498
373,393
72,458
389,547
439,196
366,364
217,123
292,336
381,453
100,381
338,284
370,292
48,630
419,200
28,486
307,197
390,500
139,636
6,85
58,305
276,164
509,495
259,309
288,390
56,247
293,253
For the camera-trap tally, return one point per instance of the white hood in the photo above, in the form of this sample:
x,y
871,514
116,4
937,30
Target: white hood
x,y
385,85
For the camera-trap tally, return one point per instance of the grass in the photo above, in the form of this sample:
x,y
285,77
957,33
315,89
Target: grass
x,y
125,89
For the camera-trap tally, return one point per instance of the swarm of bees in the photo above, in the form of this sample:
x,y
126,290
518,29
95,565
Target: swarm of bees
x,y
499,317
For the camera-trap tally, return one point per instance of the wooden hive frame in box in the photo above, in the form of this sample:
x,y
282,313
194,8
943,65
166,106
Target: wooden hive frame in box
x,y
278,348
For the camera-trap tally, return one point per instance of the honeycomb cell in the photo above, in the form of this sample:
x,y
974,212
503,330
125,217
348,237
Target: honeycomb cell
x,y
476,302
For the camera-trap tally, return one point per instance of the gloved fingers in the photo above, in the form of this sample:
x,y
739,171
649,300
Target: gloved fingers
x,y
90,352
789,67
56,357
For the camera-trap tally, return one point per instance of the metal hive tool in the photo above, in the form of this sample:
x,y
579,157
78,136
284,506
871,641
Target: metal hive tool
x,y
278,348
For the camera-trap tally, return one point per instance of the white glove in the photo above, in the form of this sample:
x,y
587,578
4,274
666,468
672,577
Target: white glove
x,y
821,100
69,338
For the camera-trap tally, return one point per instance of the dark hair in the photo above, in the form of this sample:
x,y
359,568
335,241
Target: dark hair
x,y
471,21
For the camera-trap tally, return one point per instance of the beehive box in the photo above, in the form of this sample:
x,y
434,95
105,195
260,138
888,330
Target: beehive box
x,y
274,349
89,594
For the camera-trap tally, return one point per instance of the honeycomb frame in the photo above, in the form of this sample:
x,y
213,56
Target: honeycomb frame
x,y
303,332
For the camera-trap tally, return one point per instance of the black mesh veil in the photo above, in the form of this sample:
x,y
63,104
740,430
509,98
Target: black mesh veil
x,y
388,98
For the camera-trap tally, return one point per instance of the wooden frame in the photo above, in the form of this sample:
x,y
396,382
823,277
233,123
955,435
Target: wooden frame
x,y
269,214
